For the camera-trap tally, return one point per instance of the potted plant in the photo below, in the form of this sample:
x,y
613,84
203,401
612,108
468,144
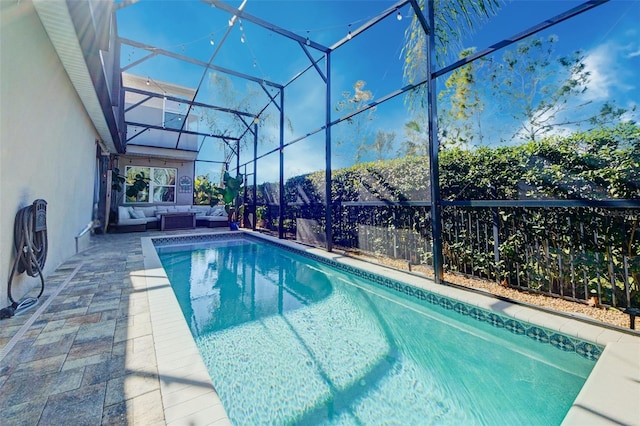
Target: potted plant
x,y
136,186
260,213
228,194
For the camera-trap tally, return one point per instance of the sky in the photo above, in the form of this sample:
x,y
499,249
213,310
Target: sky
x,y
607,37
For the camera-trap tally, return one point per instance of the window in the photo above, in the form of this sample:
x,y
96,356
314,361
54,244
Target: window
x,y
163,185
150,184
174,114
173,120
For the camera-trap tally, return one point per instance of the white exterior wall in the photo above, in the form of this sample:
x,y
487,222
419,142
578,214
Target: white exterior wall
x,y
47,143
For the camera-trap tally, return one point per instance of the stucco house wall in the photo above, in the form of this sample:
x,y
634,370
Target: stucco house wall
x,y
47,142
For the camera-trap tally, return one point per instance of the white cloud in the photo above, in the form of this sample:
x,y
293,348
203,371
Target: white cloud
x,y
634,54
597,63
549,116
633,112
607,72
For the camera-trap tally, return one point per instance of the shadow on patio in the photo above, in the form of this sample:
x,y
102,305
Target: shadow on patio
x,y
86,352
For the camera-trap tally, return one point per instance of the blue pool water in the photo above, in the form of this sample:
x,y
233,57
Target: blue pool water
x,y
288,339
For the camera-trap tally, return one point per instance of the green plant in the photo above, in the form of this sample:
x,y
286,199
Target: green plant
x,y
133,183
138,184
203,191
260,212
229,191
117,180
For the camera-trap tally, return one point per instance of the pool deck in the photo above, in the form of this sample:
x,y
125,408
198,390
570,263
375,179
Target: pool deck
x,y
108,345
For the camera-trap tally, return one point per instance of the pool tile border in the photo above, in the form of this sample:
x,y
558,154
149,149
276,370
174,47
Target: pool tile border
x,y
560,341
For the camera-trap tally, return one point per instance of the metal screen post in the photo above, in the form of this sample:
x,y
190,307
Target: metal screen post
x,y
281,195
496,235
237,157
327,148
434,148
255,176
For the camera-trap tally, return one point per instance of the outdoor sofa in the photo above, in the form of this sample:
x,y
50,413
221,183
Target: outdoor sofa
x,y
138,219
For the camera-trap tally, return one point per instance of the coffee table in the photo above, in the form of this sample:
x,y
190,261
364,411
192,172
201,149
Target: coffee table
x,y
177,220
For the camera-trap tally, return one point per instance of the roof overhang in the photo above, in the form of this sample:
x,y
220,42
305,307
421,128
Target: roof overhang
x,y
59,25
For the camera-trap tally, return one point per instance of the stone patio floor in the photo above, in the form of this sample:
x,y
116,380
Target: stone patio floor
x,y
85,356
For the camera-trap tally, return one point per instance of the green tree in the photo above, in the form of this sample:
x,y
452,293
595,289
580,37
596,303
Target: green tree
x,y
203,190
537,88
597,164
417,138
225,123
453,19
359,124
383,143
461,120
610,115
533,86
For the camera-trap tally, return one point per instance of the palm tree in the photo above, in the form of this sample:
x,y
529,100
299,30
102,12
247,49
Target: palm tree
x,y
453,19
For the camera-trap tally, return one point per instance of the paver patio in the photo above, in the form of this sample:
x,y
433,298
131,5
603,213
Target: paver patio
x,y
85,355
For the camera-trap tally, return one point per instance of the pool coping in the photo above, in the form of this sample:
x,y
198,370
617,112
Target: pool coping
x,y
609,396
188,395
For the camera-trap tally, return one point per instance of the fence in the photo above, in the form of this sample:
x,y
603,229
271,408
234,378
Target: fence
x,y
575,252
570,252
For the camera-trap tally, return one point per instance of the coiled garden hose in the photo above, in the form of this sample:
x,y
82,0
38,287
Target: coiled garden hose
x,y
30,242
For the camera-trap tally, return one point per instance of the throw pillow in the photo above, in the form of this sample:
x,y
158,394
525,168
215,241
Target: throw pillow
x,y
148,211
123,213
137,214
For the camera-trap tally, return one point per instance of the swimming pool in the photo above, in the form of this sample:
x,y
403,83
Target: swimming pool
x,y
344,349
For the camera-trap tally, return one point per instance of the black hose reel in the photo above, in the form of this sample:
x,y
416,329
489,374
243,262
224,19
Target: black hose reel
x,y
30,243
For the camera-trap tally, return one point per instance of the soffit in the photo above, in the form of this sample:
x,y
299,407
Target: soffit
x,y
154,152
143,83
